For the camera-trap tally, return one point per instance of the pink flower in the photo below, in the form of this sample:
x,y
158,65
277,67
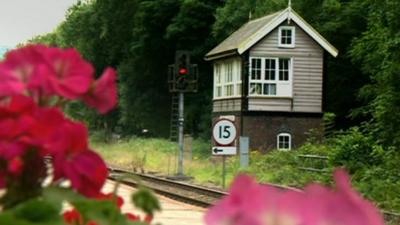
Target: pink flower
x,y
253,204
119,201
34,81
67,139
103,93
16,106
73,159
246,203
44,71
72,217
46,131
86,170
148,219
136,218
9,83
69,75
15,166
132,217
24,62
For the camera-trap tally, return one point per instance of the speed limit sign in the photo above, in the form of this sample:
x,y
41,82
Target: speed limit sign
x,y
224,132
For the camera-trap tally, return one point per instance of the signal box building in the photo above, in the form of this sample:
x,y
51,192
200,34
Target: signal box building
x,y
269,79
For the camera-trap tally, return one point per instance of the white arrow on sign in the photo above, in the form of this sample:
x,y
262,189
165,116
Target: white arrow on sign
x,y
224,150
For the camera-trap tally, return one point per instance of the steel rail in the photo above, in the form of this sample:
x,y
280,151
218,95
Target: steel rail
x,y
188,193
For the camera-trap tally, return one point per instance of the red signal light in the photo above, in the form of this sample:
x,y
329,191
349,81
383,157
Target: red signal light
x,y
183,71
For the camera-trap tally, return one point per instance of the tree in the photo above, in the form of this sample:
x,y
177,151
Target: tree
x,y
378,51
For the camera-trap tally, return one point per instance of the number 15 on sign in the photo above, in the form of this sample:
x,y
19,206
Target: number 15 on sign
x,y
224,132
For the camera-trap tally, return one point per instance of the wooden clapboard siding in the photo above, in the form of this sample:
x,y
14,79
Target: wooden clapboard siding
x,y
269,104
227,105
307,59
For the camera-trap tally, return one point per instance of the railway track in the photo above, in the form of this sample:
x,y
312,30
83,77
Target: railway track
x,y
188,193
193,194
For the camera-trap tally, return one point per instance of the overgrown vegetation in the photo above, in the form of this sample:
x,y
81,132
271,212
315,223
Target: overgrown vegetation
x,y
378,182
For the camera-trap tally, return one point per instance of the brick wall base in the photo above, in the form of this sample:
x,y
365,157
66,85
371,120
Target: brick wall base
x,y
263,128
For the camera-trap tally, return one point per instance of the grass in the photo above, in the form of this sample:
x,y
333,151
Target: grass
x,y
139,153
160,156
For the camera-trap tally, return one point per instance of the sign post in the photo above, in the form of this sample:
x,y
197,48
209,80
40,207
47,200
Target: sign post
x,y
224,135
223,171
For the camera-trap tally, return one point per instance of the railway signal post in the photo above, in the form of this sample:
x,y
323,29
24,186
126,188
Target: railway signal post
x,y
182,78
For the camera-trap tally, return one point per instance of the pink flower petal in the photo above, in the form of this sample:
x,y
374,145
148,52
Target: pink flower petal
x,y
24,63
103,94
253,204
9,83
15,166
72,74
86,170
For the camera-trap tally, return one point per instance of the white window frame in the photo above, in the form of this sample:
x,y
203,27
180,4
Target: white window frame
x,y
218,80
229,82
283,88
278,141
229,85
293,37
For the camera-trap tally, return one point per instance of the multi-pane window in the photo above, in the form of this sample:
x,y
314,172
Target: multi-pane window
x,y
255,88
218,83
269,89
256,69
284,69
227,79
270,77
284,141
286,36
255,76
270,69
238,83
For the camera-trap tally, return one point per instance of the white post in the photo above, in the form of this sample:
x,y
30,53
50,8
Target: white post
x,y
223,171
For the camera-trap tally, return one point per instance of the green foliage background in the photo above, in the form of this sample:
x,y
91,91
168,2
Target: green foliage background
x,y
139,38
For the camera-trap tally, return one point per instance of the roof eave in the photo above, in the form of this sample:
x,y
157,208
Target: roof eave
x,y
219,55
313,33
253,39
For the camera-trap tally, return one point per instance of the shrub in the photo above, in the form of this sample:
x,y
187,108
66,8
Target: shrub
x,y
355,150
381,183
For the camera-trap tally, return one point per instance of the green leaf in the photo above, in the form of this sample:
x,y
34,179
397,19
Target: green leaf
x,y
32,212
37,211
146,201
7,218
56,195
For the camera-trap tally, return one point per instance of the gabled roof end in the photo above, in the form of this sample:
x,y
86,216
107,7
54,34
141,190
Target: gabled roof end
x,y
253,31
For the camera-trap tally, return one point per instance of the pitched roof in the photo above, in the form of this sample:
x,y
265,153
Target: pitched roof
x,y
253,31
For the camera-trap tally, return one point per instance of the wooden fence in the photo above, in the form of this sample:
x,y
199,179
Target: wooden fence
x,y
313,163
